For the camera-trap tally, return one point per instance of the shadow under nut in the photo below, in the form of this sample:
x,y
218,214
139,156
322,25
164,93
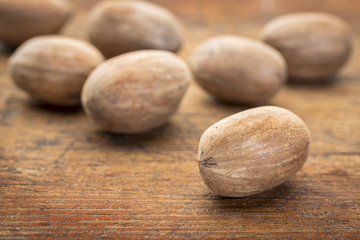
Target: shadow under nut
x,y
23,19
118,27
53,69
315,45
238,69
135,92
252,151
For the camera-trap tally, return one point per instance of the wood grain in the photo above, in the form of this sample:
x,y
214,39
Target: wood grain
x,y
60,177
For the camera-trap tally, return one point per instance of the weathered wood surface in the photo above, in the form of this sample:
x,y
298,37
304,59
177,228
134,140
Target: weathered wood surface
x,y
61,177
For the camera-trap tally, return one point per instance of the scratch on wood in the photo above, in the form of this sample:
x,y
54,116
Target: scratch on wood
x,y
66,150
287,199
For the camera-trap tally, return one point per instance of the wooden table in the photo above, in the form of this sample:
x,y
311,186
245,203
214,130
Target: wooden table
x,y
62,177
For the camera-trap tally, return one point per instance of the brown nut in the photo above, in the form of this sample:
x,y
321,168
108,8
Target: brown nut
x,y
252,151
53,69
238,69
135,92
315,45
23,19
117,27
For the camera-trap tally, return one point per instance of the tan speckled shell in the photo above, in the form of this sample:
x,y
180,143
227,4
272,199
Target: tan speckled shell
x,y
53,68
136,92
23,19
315,45
117,27
238,69
252,151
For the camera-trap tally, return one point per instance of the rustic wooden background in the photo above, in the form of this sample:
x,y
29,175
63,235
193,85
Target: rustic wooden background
x,y
62,177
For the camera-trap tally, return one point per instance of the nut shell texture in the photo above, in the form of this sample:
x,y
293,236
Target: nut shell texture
x,y
53,69
117,27
315,45
136,92
238,69
252,151
23,19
